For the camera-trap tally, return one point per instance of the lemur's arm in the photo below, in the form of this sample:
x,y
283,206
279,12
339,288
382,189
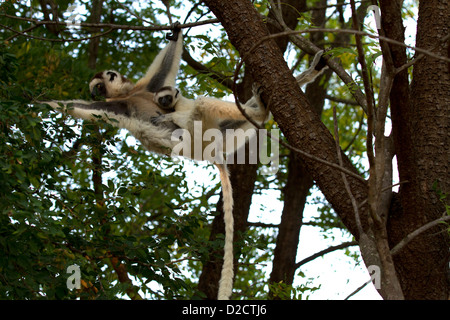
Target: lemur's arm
x,y
164,68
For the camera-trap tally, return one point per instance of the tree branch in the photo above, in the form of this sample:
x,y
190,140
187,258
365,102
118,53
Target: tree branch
x,y
226,81
112,25
311,48
18,33
416,232
344,178
325,251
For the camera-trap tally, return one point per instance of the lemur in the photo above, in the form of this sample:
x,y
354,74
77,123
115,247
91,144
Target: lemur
x,y
152,110
130,106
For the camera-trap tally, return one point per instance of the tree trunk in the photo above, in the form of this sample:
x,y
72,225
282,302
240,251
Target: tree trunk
x,y
94,43
244,176
421,126
299,180
295,194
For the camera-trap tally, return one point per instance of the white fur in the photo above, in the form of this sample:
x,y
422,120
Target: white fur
x,y
212,112
153,138
115,88
311,74
227,274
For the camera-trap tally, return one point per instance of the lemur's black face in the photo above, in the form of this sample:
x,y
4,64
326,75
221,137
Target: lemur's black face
x,y
166,98
97,84
99,90
165,101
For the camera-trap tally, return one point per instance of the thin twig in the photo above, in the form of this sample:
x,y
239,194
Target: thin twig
x,y
325,251
215,20
347,31
19,33
134,14
403,243
344,178
367,88
341,100
167,5
114,26
416,232
358,131
420,56
358,289
22,33
409,64
385,189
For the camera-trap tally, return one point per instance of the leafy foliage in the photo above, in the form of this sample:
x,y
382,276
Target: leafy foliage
x,y
144,215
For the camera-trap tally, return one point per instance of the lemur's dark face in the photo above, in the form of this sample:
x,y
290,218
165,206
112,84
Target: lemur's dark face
x,y
167,97
97,84
165,101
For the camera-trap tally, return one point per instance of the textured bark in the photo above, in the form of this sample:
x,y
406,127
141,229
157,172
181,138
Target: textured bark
x,y
299,123
94,43
421,124
243,178
290,10
422,118
299,180
49,7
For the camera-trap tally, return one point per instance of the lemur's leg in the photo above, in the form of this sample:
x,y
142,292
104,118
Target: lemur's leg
x,y
318,66
225,110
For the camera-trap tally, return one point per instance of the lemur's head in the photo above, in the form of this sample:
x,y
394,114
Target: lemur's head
x,y
109,84
167,97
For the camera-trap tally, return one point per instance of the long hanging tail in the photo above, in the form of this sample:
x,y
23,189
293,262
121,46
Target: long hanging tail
x,y
226,277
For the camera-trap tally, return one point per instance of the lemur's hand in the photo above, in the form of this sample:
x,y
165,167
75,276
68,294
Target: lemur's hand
x,y
257,91
175,31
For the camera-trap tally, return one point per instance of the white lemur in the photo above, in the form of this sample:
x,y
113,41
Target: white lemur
x,y
218,115
136,108
130,106
215,118
221,115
